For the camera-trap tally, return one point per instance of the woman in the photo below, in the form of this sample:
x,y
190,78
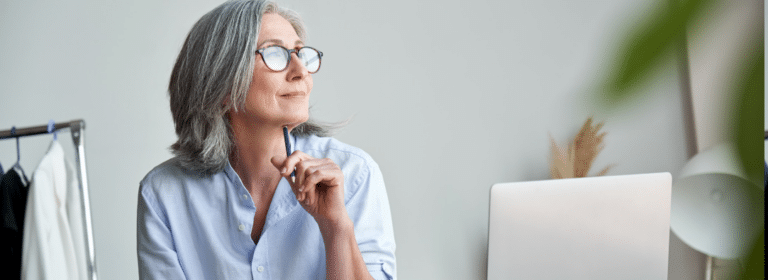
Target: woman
x,y
226,206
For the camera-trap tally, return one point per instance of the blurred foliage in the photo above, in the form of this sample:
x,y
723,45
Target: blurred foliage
x,y
649,45
749,138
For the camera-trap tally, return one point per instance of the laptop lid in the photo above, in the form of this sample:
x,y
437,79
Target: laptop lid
x,y
610,227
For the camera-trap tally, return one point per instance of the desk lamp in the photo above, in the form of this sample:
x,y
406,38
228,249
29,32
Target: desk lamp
x,y
715,208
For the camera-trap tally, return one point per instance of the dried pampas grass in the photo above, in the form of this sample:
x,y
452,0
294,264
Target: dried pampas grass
x,y
576,160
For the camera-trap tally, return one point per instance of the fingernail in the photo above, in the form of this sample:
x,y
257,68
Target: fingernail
x,y
301,189
284,170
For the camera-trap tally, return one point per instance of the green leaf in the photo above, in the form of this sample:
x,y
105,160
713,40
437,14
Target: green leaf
x,y
755,264
750,93
646,47
749,114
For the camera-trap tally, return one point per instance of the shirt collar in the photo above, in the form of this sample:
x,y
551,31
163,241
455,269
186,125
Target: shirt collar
x,y
232,175
283,201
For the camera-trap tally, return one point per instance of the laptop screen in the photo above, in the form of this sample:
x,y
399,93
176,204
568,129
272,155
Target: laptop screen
x,y
612,227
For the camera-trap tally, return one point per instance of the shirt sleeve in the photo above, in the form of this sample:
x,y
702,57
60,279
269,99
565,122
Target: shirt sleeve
x,y
368,208
155,248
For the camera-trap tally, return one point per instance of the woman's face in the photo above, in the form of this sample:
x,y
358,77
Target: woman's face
x,y
279,98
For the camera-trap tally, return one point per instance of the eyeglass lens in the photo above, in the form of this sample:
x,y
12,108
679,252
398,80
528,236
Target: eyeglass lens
x,y
277,58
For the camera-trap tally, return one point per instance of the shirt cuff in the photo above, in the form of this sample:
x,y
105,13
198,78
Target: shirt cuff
x,y
378,272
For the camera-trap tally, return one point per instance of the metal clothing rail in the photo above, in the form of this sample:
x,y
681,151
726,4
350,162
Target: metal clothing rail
x,y
76,128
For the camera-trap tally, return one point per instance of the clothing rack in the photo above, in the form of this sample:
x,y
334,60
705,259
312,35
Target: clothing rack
x,y
76,128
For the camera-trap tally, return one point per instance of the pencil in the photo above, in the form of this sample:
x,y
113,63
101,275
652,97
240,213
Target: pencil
x,y
288,147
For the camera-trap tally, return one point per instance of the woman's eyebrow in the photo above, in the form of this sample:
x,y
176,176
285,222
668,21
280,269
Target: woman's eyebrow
x,y
280,42
276,41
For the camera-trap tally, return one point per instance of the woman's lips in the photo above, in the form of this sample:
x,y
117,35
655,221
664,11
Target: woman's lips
x,y
292,94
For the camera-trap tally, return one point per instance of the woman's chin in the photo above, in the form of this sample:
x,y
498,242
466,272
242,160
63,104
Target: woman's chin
x,y
294,121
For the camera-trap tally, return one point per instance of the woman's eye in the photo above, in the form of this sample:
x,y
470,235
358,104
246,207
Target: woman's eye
x,y
274,54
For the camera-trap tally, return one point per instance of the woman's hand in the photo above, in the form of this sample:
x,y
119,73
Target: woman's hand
x,y
318,186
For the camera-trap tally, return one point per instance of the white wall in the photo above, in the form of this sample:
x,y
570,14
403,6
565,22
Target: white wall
x,y
449,97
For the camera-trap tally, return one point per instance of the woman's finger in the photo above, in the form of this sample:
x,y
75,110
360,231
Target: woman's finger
x,y
279,165
313,172
297,163
289,166
313,179
309,172
290,163
326,173
301,172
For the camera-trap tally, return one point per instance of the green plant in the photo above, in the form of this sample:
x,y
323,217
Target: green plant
x,y
650,44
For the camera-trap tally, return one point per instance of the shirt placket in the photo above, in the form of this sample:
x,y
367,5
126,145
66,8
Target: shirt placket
x,y
246,210
260,267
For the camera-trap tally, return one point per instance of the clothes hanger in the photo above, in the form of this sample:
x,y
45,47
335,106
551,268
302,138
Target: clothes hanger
x,y
17,165
52,128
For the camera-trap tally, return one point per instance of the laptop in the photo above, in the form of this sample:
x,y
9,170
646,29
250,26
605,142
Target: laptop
x,y
609,227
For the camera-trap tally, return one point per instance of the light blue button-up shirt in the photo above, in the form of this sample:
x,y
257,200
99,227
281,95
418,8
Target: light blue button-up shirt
x,y
199,227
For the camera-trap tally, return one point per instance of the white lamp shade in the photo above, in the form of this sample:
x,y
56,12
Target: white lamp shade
x,y
715,209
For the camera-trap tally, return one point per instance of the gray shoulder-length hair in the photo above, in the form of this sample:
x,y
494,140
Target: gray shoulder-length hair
x,y
212,75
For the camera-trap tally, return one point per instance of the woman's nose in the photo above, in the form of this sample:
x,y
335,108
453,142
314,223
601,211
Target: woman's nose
x,y
296,69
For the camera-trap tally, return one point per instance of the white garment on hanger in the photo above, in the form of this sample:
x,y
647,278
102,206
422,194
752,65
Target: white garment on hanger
x,y
76,223
48,248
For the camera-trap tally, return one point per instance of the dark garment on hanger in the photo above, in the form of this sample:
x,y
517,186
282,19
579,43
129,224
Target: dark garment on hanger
x,y
13,202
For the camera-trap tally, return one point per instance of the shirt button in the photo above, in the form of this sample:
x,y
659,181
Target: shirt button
x,y
241,227
260,268
245,196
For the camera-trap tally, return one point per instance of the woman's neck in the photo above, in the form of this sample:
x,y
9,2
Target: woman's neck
x,y
255,145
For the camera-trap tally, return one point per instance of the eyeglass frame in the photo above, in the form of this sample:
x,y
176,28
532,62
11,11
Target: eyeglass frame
x,y
319,57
